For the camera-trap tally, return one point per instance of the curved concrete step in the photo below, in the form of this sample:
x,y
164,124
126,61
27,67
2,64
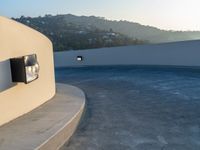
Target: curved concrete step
x,y
47,127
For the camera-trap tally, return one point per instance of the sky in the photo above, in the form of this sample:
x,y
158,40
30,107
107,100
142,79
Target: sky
x,y
164,14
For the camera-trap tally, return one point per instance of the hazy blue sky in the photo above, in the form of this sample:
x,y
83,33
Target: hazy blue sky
x,y
165,14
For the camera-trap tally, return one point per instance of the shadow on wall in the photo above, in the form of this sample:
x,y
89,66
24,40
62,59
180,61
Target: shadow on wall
x,y
5,77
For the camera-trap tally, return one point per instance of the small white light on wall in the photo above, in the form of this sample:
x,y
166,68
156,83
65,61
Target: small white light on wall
x,y
24,69
79,58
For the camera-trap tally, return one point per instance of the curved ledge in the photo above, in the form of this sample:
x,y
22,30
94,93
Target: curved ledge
x,y
47,127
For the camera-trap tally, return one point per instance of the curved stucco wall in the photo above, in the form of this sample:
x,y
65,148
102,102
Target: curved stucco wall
x,y
186,53
18,40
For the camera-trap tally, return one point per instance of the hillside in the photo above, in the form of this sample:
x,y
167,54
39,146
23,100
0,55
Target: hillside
x,y
133,30
82,32
68,35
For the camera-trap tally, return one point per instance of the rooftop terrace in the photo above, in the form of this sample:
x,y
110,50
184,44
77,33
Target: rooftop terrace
x,y
136,108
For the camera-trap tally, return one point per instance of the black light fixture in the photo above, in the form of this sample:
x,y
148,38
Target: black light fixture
x,y
24,69
79,58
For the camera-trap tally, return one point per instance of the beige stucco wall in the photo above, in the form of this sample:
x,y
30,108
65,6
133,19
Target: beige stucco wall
x,y
18,40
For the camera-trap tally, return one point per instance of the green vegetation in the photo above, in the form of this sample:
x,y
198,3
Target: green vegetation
x,y
68,35
81,32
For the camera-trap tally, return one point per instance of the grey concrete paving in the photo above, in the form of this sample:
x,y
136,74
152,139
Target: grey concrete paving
x,y
133,108
47,127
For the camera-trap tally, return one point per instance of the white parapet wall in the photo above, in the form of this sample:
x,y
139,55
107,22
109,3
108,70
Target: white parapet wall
x,y
186,53
16,99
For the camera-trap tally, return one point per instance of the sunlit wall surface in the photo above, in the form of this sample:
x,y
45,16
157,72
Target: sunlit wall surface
x,y
17,40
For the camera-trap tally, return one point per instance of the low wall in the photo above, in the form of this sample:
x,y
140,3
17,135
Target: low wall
x,y
185,53
17,99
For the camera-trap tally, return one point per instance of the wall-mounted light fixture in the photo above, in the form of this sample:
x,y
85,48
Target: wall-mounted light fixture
x,y
24,69
79,58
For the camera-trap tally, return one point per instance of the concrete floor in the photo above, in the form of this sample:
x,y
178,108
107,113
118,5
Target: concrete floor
x,y
133,108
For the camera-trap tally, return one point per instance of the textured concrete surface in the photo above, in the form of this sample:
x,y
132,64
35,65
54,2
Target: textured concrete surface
x,y
131,108
47,127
